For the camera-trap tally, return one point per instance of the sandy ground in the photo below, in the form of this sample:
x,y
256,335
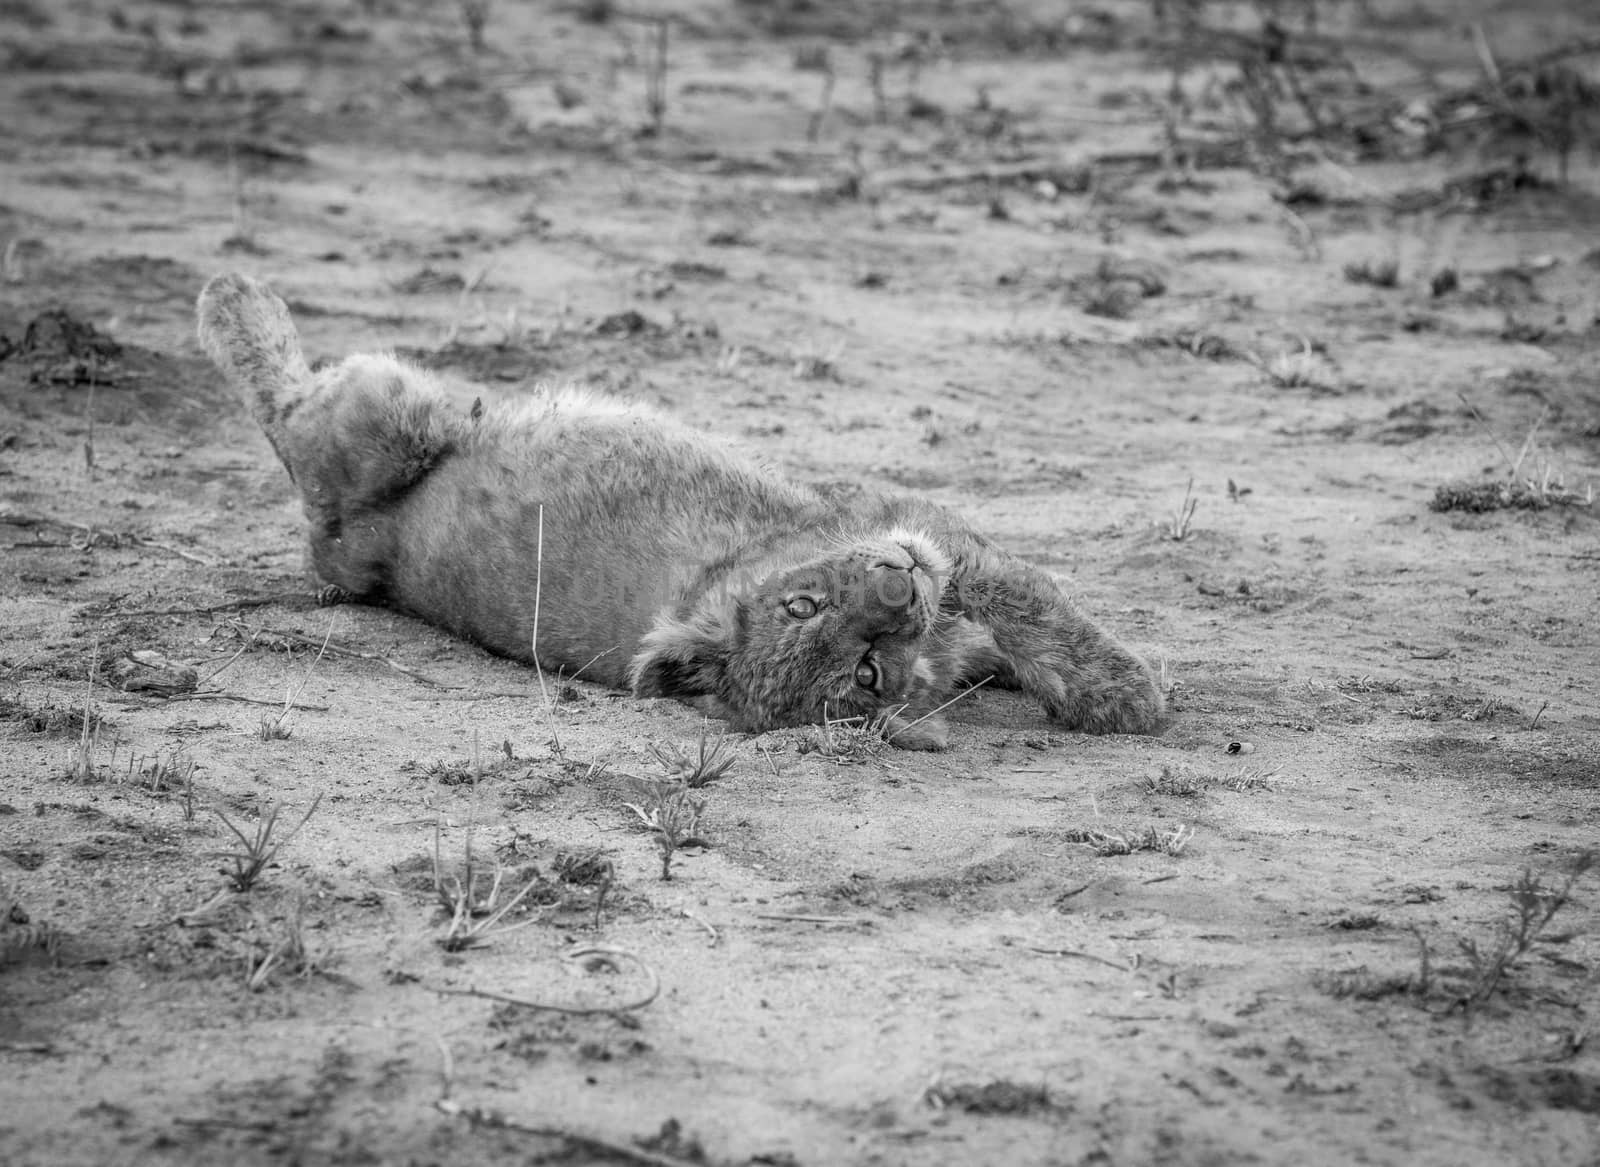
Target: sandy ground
x,y
1008,293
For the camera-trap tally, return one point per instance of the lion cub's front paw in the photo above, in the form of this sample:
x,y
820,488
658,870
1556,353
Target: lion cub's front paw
x,y
1134,706
929,733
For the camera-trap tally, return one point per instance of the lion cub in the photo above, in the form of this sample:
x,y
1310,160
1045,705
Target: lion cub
x,y
660,561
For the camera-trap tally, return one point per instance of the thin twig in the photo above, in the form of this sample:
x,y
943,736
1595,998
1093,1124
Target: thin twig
x,y
11,518
479,1115
196,610
591,660
845,921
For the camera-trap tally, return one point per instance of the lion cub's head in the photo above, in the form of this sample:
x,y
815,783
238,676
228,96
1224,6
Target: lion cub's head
x,y
843,634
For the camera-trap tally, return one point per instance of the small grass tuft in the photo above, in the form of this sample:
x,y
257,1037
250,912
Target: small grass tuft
x,y
1175,782
1518,490
1252,778
1383,273
256,852
706,766
285,951
1182,521
814,364
1304,369
668,806
671,811
1109,841
849,741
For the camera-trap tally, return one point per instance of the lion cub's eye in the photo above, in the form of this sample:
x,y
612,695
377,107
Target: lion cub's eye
x,y
867,674
801,607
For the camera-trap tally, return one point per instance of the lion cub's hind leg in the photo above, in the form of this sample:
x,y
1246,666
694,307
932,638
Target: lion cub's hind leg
x,y
355,437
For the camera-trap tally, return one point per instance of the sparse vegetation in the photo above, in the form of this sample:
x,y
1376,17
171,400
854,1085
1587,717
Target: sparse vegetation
x,y
1543,489
1534,904
1534,901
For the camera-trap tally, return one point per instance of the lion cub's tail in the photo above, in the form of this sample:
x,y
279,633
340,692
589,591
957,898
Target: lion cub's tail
x,y
246,331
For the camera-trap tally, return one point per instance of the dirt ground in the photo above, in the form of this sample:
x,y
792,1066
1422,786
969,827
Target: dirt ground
x,y
1341,295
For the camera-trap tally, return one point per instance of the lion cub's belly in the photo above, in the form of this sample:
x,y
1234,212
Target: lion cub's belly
x,y
483,563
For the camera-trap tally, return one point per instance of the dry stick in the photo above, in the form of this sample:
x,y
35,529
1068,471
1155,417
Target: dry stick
x,y
967,692
243,648
356,654
134,699
198,610
592,1143
650,995
1082,956
11,518
852,921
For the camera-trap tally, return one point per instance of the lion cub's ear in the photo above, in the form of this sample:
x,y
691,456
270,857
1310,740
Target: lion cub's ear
x,y
682,659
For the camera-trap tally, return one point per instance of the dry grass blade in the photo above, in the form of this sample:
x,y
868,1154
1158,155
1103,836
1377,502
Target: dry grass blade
x,y
606,951
890,735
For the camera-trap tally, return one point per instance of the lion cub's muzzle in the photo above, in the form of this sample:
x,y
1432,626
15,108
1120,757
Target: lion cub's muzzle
x,y
891,601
